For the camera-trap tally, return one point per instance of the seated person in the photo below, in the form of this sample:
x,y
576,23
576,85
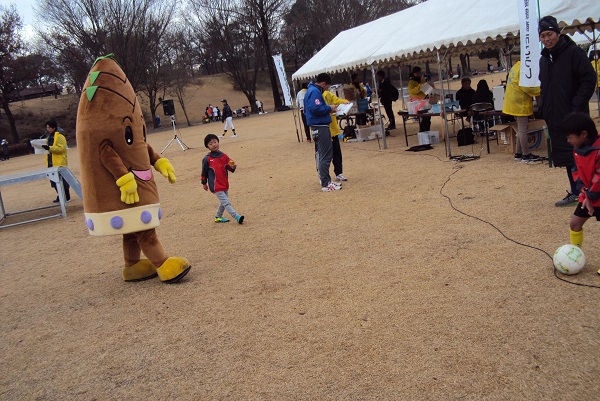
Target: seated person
x,y
359,92
415,83
465,96
483,94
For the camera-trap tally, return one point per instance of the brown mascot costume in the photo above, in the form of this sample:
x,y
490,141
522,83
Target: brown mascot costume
x,y
119,193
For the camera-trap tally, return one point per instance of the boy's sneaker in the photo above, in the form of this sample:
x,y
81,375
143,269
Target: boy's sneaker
x,y
570,199
340,177
518,157
530,158
222,136
234,136
331,187
240,219
221,220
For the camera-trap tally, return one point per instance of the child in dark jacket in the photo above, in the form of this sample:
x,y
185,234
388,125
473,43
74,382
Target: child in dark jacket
x,y
215,169
582,134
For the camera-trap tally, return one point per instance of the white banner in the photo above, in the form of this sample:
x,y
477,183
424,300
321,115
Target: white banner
x,y
285,87
530,43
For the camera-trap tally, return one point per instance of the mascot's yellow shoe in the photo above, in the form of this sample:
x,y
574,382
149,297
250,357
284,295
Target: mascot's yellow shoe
x,y
173,269
142,270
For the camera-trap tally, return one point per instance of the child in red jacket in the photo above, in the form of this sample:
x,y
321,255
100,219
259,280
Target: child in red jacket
x,y
215,169
582,134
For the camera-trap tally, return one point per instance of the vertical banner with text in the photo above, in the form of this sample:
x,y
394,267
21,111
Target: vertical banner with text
x,y
530,43
285,87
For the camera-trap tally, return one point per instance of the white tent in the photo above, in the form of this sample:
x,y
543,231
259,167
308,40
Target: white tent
x,y
416,33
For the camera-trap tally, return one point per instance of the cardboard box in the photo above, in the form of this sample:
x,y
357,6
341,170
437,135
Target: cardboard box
x,y
428,137
507,136
505,133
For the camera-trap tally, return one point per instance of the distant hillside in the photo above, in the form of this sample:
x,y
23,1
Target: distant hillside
x,y
31,115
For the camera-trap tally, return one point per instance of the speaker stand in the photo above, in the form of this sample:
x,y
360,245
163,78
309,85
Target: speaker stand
x,y
184,147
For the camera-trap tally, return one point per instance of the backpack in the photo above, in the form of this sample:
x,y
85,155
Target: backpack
x,y
465,137
349,131
394,94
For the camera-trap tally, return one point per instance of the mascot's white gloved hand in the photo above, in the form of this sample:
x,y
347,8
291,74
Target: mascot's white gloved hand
x,y
165,167
128,187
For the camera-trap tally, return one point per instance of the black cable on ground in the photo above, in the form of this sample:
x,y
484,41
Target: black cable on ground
x,y
505,236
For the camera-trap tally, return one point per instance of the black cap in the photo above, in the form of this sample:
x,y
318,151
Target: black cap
x,y
548,23
224,101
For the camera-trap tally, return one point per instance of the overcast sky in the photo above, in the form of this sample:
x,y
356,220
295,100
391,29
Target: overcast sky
x,y
25,10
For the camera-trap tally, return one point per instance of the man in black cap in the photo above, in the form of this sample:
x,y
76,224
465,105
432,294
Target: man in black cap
x,y
227,118
567,84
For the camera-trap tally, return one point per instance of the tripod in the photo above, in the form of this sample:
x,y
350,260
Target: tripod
x,y
184,147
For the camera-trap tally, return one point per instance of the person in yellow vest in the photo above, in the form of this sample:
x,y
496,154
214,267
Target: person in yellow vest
x,y
596,65
415,83
518,102
334,128
56,146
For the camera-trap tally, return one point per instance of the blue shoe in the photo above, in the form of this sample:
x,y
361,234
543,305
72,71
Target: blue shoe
x,y
240,219
221,220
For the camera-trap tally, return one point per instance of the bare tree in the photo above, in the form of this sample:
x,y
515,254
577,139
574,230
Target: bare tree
x,y
15,67
81,30
239,47
264,16
156,80
243,25
311,24
179,74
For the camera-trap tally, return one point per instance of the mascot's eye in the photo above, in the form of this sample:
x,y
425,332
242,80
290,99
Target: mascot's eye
x,y
144,131
128,135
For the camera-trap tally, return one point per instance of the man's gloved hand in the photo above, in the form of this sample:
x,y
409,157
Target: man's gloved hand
x,y
128,187
165,167
46,147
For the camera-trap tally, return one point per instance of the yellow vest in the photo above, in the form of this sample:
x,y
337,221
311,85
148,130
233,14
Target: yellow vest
x,y
414,89
596,65
518,100
59,150
330,99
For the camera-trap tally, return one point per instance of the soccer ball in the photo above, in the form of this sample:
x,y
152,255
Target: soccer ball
x,y
569,259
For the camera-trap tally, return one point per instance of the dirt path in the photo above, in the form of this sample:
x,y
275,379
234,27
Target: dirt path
x,y
401,286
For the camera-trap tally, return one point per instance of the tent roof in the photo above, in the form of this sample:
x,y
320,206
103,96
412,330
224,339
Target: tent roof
x,y
415,33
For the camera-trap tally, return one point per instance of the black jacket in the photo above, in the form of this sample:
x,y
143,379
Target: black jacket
x,y
385,91
567,81
226,113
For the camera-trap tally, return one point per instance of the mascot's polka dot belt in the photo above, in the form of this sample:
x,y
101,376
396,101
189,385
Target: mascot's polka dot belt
x,y
124,221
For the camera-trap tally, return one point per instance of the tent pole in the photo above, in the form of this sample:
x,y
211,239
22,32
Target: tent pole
x,y
597,59
375,86
294,111
442,108
404,105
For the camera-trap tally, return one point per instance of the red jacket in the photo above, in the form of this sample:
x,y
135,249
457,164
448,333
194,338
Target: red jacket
x,y
587,160
215,167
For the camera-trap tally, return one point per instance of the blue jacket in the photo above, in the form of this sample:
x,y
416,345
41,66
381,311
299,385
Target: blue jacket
x,y
316,110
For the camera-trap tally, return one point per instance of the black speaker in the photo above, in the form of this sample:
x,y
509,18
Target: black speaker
x,y
169,107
